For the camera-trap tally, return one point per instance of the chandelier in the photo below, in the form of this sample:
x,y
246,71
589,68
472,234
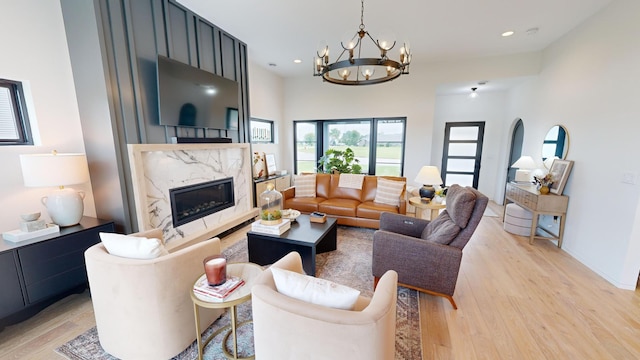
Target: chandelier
x,y
361,70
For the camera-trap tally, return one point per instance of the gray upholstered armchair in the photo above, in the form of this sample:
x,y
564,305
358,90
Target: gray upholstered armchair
x,y
427,254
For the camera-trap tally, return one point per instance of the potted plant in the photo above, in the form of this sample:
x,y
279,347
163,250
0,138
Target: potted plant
x,y
339,161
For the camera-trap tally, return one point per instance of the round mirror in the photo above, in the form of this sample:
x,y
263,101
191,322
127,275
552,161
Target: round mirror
x,y
556,144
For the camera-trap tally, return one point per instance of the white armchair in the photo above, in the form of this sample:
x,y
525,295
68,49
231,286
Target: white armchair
x,y
287,328
143,308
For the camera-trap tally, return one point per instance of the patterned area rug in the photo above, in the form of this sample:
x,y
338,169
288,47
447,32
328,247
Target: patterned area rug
x,y
350,265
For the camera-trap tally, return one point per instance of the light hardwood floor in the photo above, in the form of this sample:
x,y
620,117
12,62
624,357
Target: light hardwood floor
x,y
515,301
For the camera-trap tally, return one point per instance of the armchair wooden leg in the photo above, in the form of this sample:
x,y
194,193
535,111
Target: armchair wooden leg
x,y
375,282
448,297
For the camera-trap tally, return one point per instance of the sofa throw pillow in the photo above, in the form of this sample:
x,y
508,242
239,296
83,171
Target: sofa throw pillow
x,y
305,185
460,204
389,191
314,290
441,230
133,247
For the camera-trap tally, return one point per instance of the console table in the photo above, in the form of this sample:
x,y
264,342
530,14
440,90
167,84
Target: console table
x,y
528,197
36,273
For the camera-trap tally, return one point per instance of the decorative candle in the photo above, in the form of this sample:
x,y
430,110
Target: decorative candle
x,y
215,267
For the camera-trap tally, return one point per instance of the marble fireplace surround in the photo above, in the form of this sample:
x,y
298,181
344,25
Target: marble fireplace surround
x,y
156,168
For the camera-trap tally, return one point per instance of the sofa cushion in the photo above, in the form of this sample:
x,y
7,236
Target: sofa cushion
x,y
389,191
305,185
339,207
314,290
372,210
337,192
441,230
460,204
133,247
306,205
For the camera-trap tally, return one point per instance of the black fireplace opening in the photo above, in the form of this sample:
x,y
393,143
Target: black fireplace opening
x,y
192,202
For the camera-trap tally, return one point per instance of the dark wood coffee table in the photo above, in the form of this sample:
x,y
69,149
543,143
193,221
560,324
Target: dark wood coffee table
x,y
305,237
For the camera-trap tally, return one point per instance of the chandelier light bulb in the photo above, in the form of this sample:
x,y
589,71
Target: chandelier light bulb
x,y
368,72
323,49
473,94
344,73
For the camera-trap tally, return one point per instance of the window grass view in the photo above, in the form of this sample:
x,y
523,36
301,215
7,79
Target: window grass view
x,y
385,149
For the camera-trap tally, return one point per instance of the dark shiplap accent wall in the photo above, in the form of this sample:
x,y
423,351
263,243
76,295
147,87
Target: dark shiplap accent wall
x,y
132,33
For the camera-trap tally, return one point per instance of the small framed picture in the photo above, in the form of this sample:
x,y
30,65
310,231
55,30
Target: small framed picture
x,y
270,160
560,170
259,168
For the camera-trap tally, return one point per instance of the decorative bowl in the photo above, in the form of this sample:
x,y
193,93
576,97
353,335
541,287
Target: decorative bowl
x,y
290,214
30,217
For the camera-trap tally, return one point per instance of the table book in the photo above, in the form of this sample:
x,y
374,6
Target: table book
x,y
206,292
277,229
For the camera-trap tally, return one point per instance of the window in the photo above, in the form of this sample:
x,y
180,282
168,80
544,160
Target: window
x,y
14,121
377,143
261,131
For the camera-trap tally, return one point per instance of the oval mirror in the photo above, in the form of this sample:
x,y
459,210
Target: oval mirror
x,y
556,144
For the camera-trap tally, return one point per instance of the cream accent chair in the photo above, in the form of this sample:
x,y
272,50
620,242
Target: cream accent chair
x,y
287,328
143,308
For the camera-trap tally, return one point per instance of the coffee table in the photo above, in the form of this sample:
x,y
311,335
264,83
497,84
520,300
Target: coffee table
x,y
305,237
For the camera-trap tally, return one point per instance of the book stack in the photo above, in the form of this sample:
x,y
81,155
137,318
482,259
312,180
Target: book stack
x,y
277,229
206,292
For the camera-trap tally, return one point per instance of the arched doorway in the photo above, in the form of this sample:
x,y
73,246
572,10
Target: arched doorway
x,y
515,152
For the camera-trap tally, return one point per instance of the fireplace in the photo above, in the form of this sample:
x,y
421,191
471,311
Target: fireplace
x,y
192,202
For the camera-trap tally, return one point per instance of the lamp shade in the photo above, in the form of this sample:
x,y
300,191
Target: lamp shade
x,y
429,175
42,170
525,162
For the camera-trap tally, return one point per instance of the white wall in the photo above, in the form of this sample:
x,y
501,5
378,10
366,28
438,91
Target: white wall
x,y
589,83
412,96
267,102
490,108
35,50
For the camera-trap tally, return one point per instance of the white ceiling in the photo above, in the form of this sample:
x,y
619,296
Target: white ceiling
x,y
279,31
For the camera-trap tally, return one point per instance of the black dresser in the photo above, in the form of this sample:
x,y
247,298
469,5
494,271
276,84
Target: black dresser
x,y
36,273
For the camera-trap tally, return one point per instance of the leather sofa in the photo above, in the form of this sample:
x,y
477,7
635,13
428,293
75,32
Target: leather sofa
x,y
353,207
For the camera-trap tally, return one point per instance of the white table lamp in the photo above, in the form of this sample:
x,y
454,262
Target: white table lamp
x,y
428,176
65,205
524,166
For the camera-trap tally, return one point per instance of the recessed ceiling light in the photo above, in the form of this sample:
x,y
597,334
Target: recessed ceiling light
x,y
297,61
508,33
532,31
272,64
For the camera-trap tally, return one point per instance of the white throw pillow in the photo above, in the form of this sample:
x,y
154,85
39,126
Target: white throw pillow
x,y
305,185
389,191
314,290
134,247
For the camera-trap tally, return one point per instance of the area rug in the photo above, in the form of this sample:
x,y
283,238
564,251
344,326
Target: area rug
x,y
350,265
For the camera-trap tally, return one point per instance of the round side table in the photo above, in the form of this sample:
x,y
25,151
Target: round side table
x,y
420,207
248,272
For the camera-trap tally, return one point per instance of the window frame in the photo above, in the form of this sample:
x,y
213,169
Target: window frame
x,y
322,139
271,129
21,120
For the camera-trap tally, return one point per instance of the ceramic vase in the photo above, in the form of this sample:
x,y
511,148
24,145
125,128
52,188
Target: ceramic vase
x,y
544,190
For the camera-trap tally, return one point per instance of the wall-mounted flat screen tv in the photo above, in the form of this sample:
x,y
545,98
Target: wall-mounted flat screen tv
x,y
188,96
